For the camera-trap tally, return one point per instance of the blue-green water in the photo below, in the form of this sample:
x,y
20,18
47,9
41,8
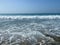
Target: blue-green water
x,y
29,29
29,14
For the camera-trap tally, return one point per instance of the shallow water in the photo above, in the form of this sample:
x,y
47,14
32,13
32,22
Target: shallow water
x,y
29,31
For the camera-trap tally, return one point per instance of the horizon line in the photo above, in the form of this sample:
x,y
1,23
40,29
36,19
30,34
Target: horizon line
x,y
29,13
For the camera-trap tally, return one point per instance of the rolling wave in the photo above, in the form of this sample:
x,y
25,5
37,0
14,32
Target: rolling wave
x,y
30,30
21,17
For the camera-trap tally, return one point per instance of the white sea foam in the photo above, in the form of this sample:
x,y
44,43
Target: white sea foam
x,y
17,31
21,17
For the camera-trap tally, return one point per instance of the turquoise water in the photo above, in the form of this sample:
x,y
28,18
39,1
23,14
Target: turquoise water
x,y
29,14
29,29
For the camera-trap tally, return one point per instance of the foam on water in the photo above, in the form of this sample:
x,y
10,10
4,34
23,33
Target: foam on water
x,y
21,17
29,30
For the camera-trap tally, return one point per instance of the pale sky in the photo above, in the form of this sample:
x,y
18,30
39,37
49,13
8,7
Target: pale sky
x,y
29,6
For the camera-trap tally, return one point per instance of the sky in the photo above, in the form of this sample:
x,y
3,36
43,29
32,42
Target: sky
x,y
29,6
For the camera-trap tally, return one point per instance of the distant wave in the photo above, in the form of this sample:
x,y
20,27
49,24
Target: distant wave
x,y
21,17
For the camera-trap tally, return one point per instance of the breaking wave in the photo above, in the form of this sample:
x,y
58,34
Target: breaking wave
x,y
29,30
21,17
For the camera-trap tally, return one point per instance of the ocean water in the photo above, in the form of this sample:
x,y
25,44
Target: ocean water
x,y
30,30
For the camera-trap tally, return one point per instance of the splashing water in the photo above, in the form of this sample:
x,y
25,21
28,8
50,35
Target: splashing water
x,y
28,31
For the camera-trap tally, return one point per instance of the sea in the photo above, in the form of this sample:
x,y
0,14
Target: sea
x,y
30,29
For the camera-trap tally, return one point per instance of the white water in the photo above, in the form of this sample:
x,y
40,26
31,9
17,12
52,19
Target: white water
x,y
30,29
41,17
